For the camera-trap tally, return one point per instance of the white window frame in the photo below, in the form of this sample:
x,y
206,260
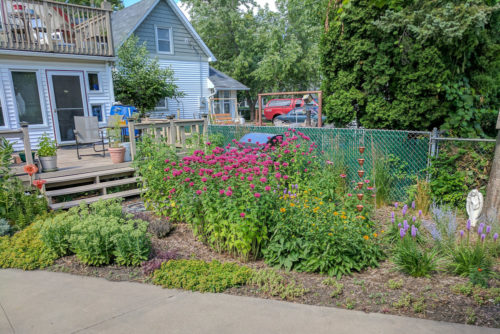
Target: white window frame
x,y
40,96
103,111
4,112
99,81
170,36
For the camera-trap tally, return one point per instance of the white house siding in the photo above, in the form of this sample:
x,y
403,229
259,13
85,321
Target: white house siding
x,y
192,84
42,66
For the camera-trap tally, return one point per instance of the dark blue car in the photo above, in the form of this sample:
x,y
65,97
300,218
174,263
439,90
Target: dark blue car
x,y
298,115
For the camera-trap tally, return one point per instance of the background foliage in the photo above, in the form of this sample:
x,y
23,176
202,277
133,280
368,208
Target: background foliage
x,y
413,64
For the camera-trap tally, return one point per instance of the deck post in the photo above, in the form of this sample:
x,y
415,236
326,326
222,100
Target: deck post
x,y
173,132
131,136
205,128
26,142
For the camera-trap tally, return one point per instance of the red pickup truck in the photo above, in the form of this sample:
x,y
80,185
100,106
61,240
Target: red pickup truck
x,y
276,107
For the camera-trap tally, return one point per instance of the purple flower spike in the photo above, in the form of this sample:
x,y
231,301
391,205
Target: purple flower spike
x,y
488,229
413,231
413,218
405,224
393,220
405,208
495,237
413,205
468,225
399,225
396,205
392,214
461,233
483,236
420,213
402,233
480,228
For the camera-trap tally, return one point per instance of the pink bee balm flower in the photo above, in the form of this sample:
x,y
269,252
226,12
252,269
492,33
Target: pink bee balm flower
x,y
242,215
343,176
285,177
252,185
249,178
263,179
257,195
191,184
268,188
172,190
229,193
198,192
367,181
277,175
221,191
349,195
204,179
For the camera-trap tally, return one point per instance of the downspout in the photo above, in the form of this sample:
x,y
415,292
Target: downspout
x,y
201,73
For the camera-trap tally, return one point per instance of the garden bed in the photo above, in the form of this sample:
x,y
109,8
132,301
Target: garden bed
x,y
381,290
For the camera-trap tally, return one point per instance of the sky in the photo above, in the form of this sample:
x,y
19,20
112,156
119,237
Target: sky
x,y
271,3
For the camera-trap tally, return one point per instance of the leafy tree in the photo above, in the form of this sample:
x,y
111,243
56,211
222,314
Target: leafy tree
x,y
265,50
139,80
413,64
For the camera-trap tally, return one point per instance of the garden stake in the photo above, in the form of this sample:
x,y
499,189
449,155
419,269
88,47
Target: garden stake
x,y
361,161
359,207
361,173
360,185
360,196
361,149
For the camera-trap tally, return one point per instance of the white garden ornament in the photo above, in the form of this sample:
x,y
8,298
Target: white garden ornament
x,y
474,206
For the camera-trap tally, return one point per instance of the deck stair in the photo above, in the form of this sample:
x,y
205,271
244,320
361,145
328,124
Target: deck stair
x,y
71,186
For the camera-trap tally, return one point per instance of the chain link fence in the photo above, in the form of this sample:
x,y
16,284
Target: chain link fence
x,y
406,152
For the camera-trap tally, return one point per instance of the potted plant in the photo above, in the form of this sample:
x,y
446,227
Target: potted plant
x,y
116,151
47,152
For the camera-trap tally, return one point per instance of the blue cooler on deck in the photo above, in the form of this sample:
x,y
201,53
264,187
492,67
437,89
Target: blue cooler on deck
x,y
125,112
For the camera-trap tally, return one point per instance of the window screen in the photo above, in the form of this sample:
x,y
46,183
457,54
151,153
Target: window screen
x,y
27,97
163,40
93,81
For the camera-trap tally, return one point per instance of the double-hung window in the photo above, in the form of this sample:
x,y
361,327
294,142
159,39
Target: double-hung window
x,y
164,40
27,97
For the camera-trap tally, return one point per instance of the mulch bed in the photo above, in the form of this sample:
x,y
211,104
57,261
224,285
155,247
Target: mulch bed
x,y
426,298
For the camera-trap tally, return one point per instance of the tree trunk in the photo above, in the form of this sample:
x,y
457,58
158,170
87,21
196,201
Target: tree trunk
x,y
492,202
251,105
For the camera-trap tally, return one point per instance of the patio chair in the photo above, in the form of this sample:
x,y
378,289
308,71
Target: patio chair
x,y
87,132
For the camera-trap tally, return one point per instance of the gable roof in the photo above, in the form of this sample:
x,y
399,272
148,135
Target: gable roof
x,y
222,81
125,21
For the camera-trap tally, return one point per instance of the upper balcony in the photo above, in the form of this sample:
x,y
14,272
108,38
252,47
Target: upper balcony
x,y
55,27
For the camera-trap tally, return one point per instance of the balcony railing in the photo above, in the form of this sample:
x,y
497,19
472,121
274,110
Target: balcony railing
x,y
55,27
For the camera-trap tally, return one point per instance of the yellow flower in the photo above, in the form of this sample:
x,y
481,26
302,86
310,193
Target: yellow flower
x,y
321,203
292,204
282,210
335,213
343,212
382,231
343,217
172,204
314,224
366,237
375,235
330,234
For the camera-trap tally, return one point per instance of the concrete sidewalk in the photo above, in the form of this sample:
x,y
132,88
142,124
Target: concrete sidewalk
x,y
45,302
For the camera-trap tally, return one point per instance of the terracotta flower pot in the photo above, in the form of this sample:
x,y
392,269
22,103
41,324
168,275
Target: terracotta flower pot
x,y
361,149
117,154
360,185
361,173
359,207
360,196
361,161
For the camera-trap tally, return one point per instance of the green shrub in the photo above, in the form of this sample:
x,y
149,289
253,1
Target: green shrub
x,y
46,147
468,258
55,231
414,260
271,282
310,235
132,243
384,180
25,250
97,234
201,276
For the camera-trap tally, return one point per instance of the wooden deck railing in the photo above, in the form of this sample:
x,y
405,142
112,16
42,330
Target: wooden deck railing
x,y
22,134
173,131
55,27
